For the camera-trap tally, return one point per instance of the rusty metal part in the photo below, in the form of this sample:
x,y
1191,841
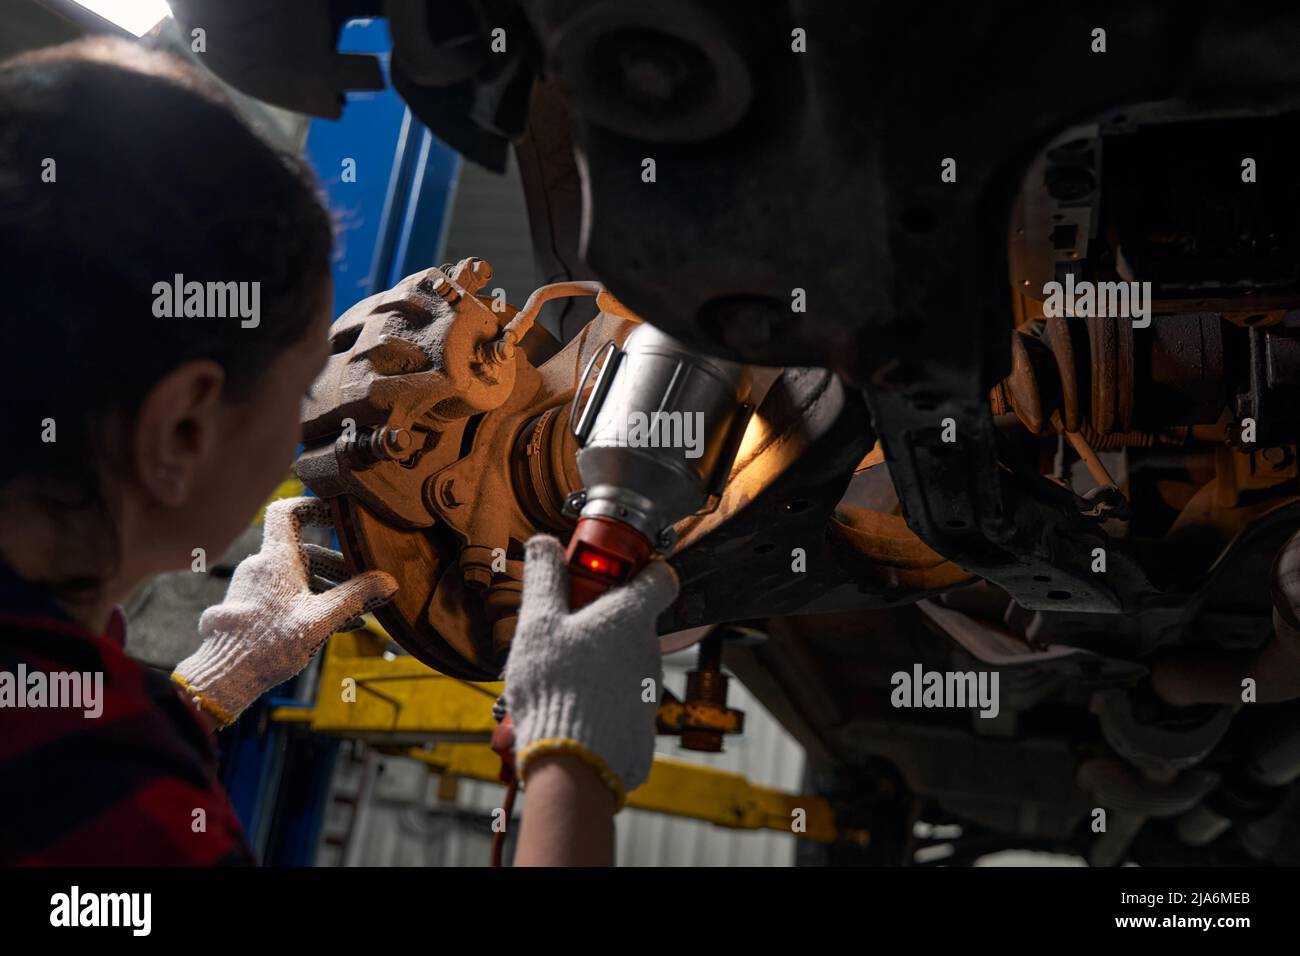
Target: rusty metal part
x,y
391,411
1027,390
703,717
438,473
404,362
1173,436
412,434
504,348
509,470
1094,464
1111,348
794,464
546,467
520,324
1105,499
1095,378
881,548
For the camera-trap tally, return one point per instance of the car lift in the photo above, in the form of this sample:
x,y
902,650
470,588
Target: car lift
x,y
400,706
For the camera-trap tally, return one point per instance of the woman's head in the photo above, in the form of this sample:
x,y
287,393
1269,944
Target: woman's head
x,y
129,187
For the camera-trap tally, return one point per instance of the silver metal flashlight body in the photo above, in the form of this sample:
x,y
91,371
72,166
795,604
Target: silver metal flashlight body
x,y
659,433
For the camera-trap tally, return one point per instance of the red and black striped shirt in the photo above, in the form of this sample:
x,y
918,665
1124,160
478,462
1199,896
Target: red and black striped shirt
x,y
134,785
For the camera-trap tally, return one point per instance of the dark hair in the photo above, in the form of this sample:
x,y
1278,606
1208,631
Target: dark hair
x,y
154,175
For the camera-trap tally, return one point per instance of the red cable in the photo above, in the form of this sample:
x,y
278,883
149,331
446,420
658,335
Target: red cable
x,y
503,745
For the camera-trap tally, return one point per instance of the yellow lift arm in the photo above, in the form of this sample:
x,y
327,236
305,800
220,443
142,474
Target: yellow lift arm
x,y
400,704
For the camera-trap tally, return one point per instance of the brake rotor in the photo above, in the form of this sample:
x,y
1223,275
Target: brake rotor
x,y
419,560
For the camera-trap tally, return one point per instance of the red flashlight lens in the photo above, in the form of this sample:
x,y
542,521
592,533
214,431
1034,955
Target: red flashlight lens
x,y
598,562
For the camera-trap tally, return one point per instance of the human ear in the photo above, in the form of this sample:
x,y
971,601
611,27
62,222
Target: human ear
x,y
175,430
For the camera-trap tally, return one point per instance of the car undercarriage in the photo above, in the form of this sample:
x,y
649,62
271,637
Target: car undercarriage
x,y
947,477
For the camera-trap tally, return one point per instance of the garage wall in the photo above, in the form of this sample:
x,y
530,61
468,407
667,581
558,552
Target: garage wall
x,y
489,220
397,818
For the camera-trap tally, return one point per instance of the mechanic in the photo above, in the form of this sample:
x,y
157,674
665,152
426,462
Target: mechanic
x,y
131,440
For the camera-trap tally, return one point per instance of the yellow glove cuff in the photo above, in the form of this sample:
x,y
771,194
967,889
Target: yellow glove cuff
x,y
204,703
556,746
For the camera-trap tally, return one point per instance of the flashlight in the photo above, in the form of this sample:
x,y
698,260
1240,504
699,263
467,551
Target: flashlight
x,y
657,439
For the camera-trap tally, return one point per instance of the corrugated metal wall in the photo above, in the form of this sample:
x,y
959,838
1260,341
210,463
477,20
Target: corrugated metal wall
x,y
490,221
392,808
764,753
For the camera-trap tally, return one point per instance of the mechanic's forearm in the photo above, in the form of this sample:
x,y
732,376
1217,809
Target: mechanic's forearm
x,y
568,816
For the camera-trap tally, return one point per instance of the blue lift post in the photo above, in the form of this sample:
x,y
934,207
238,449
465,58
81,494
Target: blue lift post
x,y
390,185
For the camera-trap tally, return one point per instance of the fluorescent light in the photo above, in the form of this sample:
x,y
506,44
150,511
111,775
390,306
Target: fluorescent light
x,y
134,16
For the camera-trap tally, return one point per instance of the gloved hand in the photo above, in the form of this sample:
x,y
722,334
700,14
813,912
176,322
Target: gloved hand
x,y
271,623
574,679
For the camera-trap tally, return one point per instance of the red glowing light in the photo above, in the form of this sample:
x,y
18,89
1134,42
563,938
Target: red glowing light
x,y
597,562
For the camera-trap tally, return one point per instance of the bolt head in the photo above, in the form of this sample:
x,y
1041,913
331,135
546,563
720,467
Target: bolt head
x,y
397,441
446,291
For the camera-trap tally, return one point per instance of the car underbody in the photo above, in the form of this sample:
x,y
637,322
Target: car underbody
x,y
943,475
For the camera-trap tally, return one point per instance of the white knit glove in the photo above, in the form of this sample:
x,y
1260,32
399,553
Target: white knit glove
x,y
271,624
575,680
